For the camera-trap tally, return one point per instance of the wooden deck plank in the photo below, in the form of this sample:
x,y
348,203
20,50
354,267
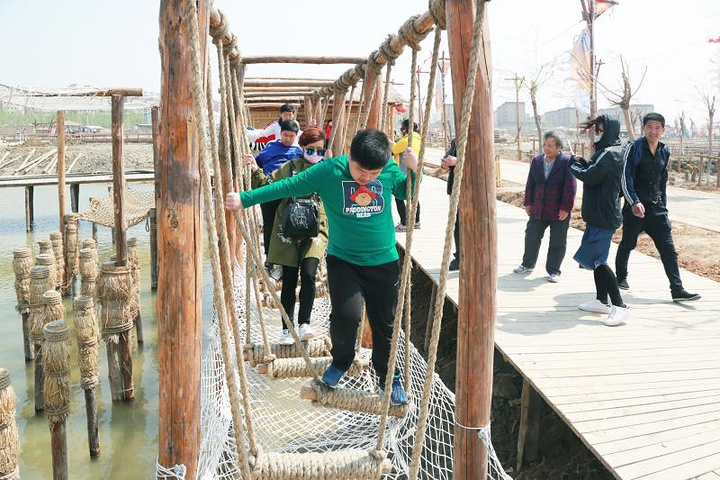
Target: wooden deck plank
x,y
644,397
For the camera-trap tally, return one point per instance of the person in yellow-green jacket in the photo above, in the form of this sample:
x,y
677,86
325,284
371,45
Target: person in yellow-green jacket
x,y
296,255
362,257
398,150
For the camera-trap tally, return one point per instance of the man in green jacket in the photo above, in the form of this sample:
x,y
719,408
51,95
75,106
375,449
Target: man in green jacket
x,y
362,258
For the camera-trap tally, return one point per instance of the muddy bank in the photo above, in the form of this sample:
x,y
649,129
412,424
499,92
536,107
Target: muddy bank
x,y
94,157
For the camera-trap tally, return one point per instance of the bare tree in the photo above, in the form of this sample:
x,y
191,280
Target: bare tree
x,y
683,129
518,85
537,81
709,103
622,97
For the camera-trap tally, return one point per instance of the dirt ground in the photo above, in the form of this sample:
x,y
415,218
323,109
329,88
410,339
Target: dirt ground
x,y
696,247
96,157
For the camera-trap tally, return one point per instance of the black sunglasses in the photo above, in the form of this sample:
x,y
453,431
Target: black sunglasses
x,y
312,151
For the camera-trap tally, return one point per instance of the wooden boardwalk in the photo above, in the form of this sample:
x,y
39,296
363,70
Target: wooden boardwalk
x,y
644,397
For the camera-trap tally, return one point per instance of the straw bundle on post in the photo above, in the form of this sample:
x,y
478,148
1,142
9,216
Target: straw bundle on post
x,y
57,391
88,361
114,290
22,263
56,239
88,272
134,262
71,249
40,282
91,244
9,442
48,260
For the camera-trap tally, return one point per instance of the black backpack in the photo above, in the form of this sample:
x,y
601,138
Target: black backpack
x,y
301,218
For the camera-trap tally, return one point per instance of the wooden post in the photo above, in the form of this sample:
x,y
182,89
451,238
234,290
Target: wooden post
x,y
477,306
178,214
118,103
338,122
530,410
376,105
75,197
309,107
29,208
57,393
61,168
120,234
27,344
153,250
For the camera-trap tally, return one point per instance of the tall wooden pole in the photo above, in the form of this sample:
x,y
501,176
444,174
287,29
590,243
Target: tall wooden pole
x,y
180,253
120,233
476,312
118,103
61,168
338,122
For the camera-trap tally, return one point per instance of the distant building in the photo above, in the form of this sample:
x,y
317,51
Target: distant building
x,y
637,111
505,115
568,117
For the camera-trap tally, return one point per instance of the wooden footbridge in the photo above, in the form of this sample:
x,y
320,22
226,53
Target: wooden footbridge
x,y
643,397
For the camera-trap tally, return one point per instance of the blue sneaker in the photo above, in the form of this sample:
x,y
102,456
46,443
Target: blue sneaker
x,y
332,376
398,395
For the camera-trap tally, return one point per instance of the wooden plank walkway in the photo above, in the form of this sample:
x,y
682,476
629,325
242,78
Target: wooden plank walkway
x,y
644,397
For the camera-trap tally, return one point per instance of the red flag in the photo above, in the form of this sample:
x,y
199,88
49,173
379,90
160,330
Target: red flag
x,y
602,6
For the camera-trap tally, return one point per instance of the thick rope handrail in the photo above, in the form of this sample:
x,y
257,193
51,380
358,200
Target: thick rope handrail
x,y
198,97
465,117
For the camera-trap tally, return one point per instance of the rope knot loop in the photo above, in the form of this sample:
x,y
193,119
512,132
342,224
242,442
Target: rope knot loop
x,y
410,34
437,11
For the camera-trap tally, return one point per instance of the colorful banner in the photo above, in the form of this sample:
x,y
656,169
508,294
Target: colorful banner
x,y
580,69
602,6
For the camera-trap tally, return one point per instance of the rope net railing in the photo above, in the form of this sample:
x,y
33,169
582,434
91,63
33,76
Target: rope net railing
x,y
254,426
102,210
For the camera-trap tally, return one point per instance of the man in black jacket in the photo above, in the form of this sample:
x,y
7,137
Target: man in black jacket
x,y
645,191
448,163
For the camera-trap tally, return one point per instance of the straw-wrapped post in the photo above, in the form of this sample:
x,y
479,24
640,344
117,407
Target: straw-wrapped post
x,y
72,250
40,282
57,391
48,260
9,441
134,262
22,263
56,238
88,361
114,289
88,271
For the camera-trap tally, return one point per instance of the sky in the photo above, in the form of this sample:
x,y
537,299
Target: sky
x,y
102,43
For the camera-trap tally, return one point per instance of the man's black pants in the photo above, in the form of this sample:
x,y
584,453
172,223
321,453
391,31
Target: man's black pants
x,y
268,215
403,208
349,285
657,226
558,243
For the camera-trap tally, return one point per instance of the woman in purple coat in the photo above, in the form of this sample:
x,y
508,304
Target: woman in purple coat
x,y
549,198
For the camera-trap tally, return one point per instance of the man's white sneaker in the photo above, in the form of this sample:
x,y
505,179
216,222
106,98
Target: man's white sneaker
x,y
306,331
286,338
554,278
617,316
594,306
522,269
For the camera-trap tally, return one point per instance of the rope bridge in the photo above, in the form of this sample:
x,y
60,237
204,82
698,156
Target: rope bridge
x,y
137,208
253,424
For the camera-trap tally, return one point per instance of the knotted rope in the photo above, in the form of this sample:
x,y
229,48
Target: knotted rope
x,y
200,112
465,117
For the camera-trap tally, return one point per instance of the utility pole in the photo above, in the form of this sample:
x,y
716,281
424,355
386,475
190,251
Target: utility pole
x,y
443,70
518,85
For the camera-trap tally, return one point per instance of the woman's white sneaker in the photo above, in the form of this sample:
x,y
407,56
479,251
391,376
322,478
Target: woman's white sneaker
x,y
595,306
306,331
286,338
617,316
